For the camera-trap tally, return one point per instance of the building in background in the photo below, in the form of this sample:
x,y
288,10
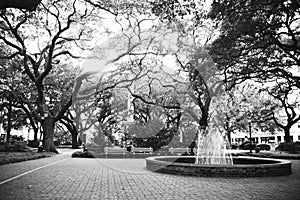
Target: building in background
x,y
258,136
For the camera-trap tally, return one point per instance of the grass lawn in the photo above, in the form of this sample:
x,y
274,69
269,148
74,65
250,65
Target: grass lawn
x,y
12,157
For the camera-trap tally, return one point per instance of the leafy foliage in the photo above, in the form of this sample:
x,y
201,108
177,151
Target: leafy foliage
x,y
104,115
158,124
289,147
244,104
172,11
258,39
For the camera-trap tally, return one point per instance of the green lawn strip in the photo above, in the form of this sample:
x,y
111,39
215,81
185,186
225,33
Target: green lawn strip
x,y
13,157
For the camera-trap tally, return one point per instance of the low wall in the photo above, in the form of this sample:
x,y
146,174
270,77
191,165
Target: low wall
x,y
276,168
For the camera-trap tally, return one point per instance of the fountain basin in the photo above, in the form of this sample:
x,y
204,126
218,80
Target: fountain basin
x,y
242,167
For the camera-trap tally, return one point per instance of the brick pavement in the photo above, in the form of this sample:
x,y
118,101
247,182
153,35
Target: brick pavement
x,y
80,178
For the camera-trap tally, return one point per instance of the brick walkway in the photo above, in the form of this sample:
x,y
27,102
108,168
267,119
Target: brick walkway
x,y
80,178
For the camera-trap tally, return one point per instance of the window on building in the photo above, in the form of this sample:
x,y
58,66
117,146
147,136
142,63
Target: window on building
x,y
279,139
298,137
264,139
239,140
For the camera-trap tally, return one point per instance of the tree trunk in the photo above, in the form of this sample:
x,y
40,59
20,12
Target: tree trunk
x,y
203,122
229,137
228,132
74,140
48,131
8,130
35,130
287,137
35,139
74,132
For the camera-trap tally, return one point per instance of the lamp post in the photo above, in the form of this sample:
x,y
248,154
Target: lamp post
x,y
250,138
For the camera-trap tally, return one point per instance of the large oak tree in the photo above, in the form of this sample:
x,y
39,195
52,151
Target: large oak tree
x,y
42,42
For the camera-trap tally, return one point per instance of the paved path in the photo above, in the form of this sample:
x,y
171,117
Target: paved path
x,y
80,178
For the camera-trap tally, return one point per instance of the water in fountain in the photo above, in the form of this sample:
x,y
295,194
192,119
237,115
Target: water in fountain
x,y
211,148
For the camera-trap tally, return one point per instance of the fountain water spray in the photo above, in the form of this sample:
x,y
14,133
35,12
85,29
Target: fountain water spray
x,y
211,148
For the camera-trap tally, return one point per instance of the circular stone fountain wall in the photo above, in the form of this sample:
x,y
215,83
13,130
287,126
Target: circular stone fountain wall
x,y
242,167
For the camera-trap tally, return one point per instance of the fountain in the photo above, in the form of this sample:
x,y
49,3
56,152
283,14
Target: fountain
x,y
211,160
242,167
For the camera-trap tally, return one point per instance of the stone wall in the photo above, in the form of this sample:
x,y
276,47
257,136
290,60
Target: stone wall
x,y
280,168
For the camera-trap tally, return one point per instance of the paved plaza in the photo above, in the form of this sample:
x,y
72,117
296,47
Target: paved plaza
x,y
63,177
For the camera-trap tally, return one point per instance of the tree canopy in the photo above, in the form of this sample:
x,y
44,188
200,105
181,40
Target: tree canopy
x,y
258,40
45,41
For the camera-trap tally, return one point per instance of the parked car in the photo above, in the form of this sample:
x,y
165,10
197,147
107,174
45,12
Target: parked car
x,y
264,147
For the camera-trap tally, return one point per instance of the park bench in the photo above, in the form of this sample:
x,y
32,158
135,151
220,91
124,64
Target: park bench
x,y
179,150
142,150
114,150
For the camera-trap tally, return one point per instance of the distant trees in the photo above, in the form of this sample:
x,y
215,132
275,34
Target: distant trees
x,y
287,113
242,105
13,90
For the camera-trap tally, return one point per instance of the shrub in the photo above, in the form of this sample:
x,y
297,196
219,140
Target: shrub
x,y
265,147
56,143
289,147
85,154
257,149
297,145
33,144
246,145
16,146
12,157
234,146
